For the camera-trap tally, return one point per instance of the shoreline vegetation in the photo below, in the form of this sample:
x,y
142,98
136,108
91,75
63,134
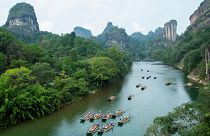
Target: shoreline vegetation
x,y
37,80
188,54
189,119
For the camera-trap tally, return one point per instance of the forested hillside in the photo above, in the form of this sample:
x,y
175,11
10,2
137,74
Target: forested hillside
x,y
39,79
188,52
191,54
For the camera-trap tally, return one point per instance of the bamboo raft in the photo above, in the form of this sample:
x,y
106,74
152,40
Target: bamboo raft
x,y
143,87
168,83
130,96
105,128
138,85
106,117
117,113
93,129
96,117
112,98
88,116
123,121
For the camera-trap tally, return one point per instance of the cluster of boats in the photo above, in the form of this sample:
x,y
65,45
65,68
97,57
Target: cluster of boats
x,y
97,128
101,129
91,117
148,77
143,87
143,70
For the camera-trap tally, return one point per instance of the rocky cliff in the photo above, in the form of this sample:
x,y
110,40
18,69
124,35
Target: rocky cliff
x,y
207,59
153,38
114,36
82,32
171,30
201,17
160,35
109,28
22,16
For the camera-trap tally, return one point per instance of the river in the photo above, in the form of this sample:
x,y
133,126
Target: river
x,y
156,100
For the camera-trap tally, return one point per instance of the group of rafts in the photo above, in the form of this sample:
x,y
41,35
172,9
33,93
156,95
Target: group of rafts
x,y
148,77
102,129
97,128
143,87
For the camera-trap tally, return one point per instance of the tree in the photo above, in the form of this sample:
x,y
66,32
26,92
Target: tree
x,y
43,72
33,53
2,62
102,70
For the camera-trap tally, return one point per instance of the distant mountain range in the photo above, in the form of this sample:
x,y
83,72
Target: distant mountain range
x,y
22,22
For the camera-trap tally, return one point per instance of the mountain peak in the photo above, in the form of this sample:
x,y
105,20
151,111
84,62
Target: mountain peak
x,y
22,16
109,24
109,27
82,32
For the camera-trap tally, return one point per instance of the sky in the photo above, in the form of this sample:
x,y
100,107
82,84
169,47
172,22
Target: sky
x,y
61,16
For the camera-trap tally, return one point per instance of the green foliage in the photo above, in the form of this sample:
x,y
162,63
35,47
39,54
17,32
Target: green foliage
x,y
191,60
5,40
33,53
202,129
103,69
204,99
188,51
202,70
22,9
39,78
180,121
122,61
43,72
188,120
2,62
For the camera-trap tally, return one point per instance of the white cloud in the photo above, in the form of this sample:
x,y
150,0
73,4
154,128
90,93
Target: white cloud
x,y
137,27
46,26
88,26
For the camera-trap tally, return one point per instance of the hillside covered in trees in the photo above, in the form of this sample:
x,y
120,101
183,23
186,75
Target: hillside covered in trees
x,y
38,79
41,71
190,53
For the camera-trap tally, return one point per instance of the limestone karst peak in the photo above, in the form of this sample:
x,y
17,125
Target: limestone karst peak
x,y
22,16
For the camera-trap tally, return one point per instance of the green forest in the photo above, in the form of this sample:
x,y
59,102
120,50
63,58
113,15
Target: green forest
x,y
40,71
38,79
188,54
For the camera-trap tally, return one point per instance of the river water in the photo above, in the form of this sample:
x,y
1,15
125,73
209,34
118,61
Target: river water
x,y
156,100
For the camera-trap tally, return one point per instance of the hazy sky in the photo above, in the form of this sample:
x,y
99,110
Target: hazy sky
x,y
61,16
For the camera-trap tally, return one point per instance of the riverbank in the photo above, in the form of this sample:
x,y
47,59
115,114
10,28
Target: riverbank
x,y
57,104
188,119
193,76
191,119
67,120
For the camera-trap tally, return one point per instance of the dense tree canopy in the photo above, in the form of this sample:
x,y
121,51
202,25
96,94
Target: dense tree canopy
x,y
187,52
38,79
